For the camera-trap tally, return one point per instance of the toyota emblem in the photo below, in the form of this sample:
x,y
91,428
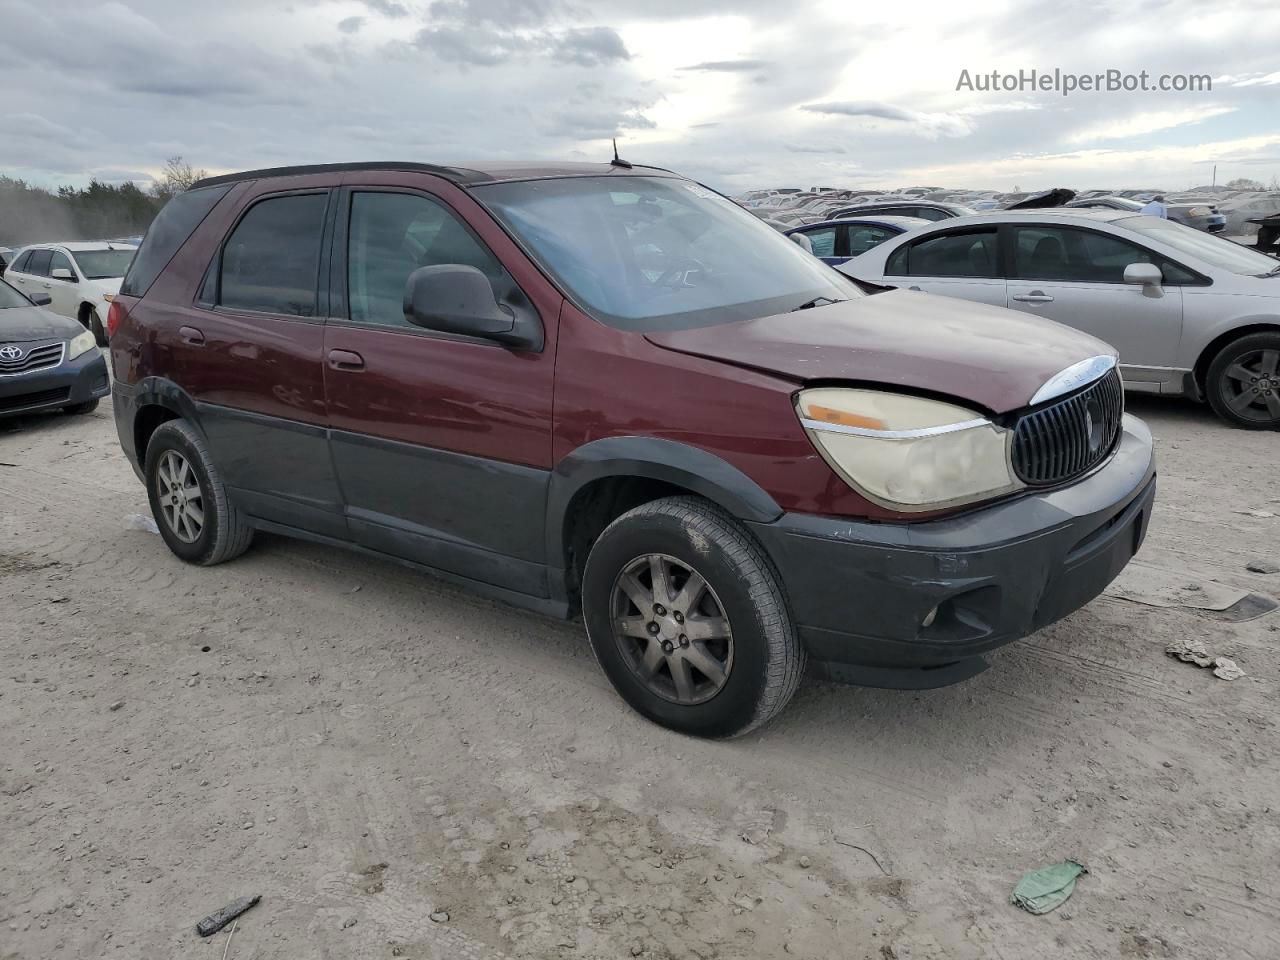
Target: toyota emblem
x,y
11,354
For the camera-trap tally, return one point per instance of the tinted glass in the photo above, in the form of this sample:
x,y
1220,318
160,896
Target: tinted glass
x,y
61,261
896,266
1213,250
38,265
863,238
20,265
823,240
971,254
659,253
9,298
1062,253
169,231
104,264
271,261
928,213
393,234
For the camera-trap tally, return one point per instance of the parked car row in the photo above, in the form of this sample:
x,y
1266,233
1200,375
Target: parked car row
x,y
604,389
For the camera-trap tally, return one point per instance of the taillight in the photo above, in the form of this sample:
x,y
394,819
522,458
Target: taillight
x,y
115,315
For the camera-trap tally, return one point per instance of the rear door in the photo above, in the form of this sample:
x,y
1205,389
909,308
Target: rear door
x,y
963,263
250,354
33,278
1076,276
442,443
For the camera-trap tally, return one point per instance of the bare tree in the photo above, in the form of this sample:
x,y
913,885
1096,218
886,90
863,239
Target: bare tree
x,y
178,176
1244,183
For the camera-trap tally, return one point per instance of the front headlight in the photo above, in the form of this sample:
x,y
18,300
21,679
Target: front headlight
x,y
80,344
908,453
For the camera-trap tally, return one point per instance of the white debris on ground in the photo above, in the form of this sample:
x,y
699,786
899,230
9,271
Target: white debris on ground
x,y
1193,651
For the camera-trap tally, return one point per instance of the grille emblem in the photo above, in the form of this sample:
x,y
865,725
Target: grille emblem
x,y
11,354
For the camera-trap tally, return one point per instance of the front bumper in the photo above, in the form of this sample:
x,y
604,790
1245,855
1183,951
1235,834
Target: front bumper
x,y
860,592
69,383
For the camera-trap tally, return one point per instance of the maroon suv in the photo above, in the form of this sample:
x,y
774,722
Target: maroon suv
x,y
607,388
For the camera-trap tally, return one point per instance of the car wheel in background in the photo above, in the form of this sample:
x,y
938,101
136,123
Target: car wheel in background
x,y
76,408
1243,382
687,618
99,332
188,499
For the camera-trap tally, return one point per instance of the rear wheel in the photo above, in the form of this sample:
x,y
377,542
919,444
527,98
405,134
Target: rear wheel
x,y
188,499
99,332
1243,382
688,619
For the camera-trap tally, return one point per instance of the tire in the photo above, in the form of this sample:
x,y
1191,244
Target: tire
x,y
78,408
221,533
749,677
1242,384
99,332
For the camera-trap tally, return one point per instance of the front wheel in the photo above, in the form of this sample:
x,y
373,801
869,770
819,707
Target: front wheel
x,y
99,332
687,618
1243,382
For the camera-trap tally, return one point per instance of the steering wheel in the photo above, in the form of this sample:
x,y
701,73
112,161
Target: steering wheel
x,y
677,275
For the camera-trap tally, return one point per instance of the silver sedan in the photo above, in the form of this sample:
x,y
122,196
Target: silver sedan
x,y
1190,313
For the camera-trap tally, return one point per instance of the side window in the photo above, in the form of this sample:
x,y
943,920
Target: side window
x,y
823,240
863,238
61,261
393,234
969,254
929,213
38,265
897,263
20,265
271,260
1082,256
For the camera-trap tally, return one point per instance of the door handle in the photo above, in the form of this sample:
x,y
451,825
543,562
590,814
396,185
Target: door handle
x,y
345,360
1035,296
192,336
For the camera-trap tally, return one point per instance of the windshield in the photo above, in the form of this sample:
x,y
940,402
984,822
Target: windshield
x,y
660,253
1215,251
10,297
103,264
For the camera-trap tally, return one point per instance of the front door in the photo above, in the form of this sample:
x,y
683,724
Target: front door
x,y
1076,277
64,291
442,443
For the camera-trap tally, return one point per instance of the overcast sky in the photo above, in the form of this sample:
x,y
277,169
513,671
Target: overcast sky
x,y
739,93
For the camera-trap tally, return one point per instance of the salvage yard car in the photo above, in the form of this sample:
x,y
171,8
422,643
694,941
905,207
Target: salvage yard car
x,y
606,389
80,278
835,241
47,362
1191,313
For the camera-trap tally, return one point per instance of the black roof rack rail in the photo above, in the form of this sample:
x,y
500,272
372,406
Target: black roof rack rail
x,y
459,175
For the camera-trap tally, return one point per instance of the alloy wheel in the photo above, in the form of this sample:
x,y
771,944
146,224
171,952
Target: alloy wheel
x,y
1251,385
180,498
671,629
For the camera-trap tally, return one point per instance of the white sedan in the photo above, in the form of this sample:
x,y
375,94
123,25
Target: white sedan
x,y
1190,313
81,279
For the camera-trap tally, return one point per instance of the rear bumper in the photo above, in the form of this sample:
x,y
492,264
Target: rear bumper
x,y
860,592
69,383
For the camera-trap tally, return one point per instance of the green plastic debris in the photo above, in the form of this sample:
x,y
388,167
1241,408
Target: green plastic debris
x,y
1047,888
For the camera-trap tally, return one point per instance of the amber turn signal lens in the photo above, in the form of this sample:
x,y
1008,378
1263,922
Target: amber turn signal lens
x,y
842,417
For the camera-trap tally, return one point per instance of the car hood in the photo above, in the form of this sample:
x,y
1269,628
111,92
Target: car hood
x,y
988,356
35,323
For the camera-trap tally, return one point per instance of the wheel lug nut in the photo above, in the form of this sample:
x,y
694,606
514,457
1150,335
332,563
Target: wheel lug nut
x,y
679,617
667,646
684,641
659,609
653,627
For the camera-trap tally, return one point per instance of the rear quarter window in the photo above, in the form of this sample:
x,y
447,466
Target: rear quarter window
x,y
168,232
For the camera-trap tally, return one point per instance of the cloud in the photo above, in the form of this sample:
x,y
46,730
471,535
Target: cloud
x,y
589,46
388,8
488,47
351,24
929,125
729,66
1135,125
508,13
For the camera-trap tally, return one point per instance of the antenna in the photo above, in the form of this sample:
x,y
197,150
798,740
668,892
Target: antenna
x,y
618,161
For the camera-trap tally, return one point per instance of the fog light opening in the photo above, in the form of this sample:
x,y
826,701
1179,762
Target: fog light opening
x,y
929,617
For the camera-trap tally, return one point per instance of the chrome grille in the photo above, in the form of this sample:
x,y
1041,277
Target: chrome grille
x,y
38,357
1070,436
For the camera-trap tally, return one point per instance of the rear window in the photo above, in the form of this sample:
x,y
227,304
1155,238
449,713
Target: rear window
x,y
169,231
38,265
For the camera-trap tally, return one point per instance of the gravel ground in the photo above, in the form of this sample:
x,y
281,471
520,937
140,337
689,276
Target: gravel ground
x,y
404,770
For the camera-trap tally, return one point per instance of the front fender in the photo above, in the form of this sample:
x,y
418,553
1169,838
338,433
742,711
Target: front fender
x,y
676,463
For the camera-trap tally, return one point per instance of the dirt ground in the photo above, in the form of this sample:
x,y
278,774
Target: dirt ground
x,y
371,750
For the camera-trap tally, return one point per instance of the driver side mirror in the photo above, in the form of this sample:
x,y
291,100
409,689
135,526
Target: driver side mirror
x,y
1146,274
455,298
40,299
62,273
803,242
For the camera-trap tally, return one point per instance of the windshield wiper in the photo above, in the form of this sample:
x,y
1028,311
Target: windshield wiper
x,y
816,302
